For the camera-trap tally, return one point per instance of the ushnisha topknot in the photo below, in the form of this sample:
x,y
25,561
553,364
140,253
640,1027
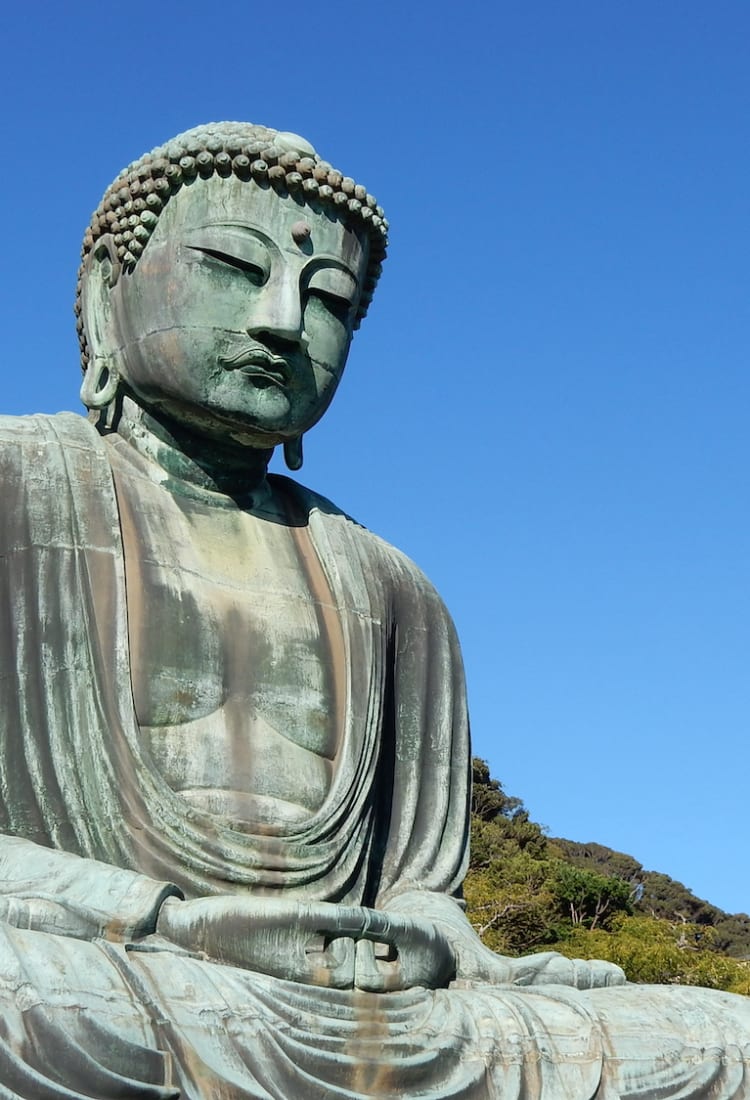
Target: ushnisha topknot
x,y
132,204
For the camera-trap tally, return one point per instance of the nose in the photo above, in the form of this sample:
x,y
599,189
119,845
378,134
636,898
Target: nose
x,y
276,314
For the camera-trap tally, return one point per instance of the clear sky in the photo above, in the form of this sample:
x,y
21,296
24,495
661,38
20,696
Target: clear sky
x,y
547,407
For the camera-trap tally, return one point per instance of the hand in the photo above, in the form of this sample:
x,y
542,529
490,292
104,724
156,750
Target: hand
x,y
400,952
276,937
550,968
316,943
478,963
45,914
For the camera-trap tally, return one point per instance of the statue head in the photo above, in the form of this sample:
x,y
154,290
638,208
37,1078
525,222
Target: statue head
x,y
222,277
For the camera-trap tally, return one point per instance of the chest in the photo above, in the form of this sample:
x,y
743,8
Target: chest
x,y
231,627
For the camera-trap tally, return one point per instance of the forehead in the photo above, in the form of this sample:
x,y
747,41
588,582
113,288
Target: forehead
x,y
264,212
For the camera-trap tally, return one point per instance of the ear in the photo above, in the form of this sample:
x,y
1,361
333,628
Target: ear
x,y
100,276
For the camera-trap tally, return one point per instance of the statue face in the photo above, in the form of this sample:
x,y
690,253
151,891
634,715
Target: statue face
x,y
233,324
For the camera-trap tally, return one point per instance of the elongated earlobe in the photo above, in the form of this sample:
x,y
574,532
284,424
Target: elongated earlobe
x,y
293,453
100,383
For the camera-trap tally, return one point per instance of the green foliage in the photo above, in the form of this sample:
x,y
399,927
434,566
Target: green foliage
x,y
650,949
732,934
526,892
596,857
658,895
489,800
591,899
510,904
507,890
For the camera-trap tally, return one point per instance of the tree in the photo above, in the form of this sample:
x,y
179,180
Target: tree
x,y
657,951
588,898
525,892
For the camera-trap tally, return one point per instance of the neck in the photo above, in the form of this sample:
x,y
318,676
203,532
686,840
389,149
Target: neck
x,y
226,468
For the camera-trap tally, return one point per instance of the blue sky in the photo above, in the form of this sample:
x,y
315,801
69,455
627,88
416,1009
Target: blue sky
x,y
547,406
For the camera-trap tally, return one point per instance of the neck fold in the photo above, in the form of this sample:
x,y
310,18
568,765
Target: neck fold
x,y
225,468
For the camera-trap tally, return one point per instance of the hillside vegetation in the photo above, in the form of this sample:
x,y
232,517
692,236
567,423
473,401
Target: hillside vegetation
x,y
527,892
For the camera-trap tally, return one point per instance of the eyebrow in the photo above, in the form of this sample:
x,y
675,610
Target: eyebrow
x,y
325,259
317,259
253,230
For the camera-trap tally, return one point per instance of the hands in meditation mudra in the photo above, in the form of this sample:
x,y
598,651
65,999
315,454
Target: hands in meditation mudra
x,y
235,756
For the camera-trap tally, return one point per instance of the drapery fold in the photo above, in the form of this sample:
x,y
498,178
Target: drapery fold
x,y
94,835
74,774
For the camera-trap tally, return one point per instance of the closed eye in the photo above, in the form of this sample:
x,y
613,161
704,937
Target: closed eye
x,y
334,303
256,273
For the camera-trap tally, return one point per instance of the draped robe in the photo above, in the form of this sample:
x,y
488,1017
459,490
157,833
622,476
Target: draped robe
x,y
93,834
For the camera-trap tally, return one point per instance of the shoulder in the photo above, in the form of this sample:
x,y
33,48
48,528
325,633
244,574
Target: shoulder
x,y
382,561
44,459
42,430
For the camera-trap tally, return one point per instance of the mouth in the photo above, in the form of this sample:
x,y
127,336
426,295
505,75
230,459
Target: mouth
x,y
264,375
260,365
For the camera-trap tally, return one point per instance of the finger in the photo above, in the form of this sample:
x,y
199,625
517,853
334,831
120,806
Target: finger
x,y
333,966
368,924
336,920
378,927
615,975
373,975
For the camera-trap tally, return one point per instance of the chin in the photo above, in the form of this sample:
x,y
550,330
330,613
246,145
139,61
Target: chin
x,y
253,427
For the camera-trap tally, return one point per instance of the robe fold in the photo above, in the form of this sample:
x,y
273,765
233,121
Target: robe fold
x,y
95,839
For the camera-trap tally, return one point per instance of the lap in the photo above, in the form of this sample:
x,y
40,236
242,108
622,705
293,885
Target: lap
x,y
97,1020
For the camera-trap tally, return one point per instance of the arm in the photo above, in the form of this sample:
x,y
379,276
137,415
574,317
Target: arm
x,y
50,891
427,846
477,963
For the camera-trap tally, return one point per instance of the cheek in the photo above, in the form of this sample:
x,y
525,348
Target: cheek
x,y
171,362
165,293
326,384
328,340
143,312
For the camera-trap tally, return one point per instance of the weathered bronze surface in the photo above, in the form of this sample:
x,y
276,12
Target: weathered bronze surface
x,y
235,756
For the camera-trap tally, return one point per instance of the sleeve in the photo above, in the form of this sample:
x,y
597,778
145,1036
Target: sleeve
x,y
46,890
427,843
42,887
427,847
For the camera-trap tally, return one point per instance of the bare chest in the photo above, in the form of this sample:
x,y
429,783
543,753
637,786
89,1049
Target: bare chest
x,y
232,641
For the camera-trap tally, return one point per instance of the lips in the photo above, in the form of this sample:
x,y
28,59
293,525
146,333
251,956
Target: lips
x,y
259,364
276,376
